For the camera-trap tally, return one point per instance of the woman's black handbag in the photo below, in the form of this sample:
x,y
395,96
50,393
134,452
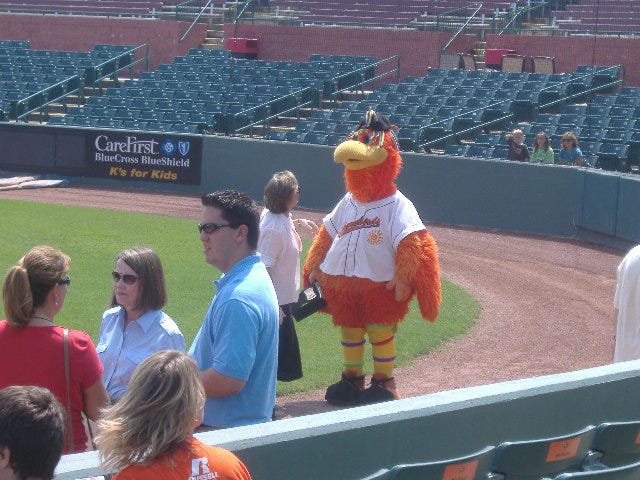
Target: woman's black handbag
x,y
309,301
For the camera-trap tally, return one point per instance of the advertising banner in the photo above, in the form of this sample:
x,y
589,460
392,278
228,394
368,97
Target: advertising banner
x,y
154,157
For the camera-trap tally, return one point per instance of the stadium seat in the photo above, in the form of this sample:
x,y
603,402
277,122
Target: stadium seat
x,y
616,443
625,472
409,138
273,134
512,63
469,62
534,459
614,156
450,61
488,139
613,135
479,151
471,467
541,64
382,474
456,150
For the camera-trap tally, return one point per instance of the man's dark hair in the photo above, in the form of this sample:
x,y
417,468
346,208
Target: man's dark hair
x,y
32,428
237,209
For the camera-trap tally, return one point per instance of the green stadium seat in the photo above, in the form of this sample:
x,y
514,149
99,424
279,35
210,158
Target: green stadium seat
x,y
456,150
409,138
273,134
479,151
616,444
535,459
613,156
625,472
470,467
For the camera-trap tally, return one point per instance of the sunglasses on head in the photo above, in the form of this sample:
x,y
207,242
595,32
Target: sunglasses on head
x,y
212,227
128,279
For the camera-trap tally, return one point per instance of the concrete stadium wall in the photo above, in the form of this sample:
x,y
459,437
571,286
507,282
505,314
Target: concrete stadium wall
x,y
420,50
570,52
561,201
353,443
81,33
417,50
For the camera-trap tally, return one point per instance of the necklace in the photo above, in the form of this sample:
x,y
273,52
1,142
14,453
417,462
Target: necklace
x,y
42,318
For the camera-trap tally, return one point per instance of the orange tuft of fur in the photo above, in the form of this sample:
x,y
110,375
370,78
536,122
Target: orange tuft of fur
x,y
317,252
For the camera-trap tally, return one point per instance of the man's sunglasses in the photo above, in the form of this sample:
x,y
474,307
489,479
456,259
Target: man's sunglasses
x,y
212,227
64,281
128,279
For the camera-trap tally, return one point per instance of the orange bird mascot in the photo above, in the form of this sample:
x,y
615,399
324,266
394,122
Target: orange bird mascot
x,y
371,256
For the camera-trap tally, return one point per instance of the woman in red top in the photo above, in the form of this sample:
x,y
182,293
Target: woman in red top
x,y
32,346
148,434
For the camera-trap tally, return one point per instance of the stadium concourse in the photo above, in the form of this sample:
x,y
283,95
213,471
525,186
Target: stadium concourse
x,y
547,304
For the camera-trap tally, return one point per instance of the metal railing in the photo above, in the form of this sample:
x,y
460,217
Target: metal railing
x,y
40,101
195,20
310,96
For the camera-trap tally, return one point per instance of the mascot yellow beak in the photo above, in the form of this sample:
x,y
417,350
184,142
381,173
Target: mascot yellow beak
x,y
356,155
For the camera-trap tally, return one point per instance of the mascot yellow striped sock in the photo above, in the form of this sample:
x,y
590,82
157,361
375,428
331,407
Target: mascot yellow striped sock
x,y
383,348
353,351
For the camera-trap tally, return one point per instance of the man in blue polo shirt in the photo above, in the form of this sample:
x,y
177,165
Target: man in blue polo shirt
x,y
236,348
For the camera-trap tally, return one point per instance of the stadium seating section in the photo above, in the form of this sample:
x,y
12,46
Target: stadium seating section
x,y
600,15
31,78
454,111
610,451
207,91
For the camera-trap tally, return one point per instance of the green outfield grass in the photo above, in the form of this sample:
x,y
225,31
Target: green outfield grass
x,y
92,238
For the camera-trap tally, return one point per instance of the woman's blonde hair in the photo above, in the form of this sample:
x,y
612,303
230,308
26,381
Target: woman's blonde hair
x,y
163,403
278,191
27,284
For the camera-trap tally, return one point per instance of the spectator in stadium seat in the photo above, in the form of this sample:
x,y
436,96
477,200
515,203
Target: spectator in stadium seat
x,y
542,151
148,434
279,247
570,154
627,303
31,433
32,347
236,348
135,326
518,150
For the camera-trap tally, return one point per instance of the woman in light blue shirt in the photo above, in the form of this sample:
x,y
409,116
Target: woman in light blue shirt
x,y
135,327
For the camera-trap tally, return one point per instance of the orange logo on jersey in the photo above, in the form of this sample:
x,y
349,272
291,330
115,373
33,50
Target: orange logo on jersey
x,y
359,224
375,238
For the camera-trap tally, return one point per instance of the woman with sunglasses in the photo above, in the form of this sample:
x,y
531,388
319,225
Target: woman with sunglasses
x,y
135,326
570,154
32,346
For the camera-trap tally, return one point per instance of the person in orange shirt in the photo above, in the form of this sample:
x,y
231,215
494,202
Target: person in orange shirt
x,y
148,434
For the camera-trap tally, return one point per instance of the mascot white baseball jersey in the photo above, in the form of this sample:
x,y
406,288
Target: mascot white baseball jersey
x,y
366,236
